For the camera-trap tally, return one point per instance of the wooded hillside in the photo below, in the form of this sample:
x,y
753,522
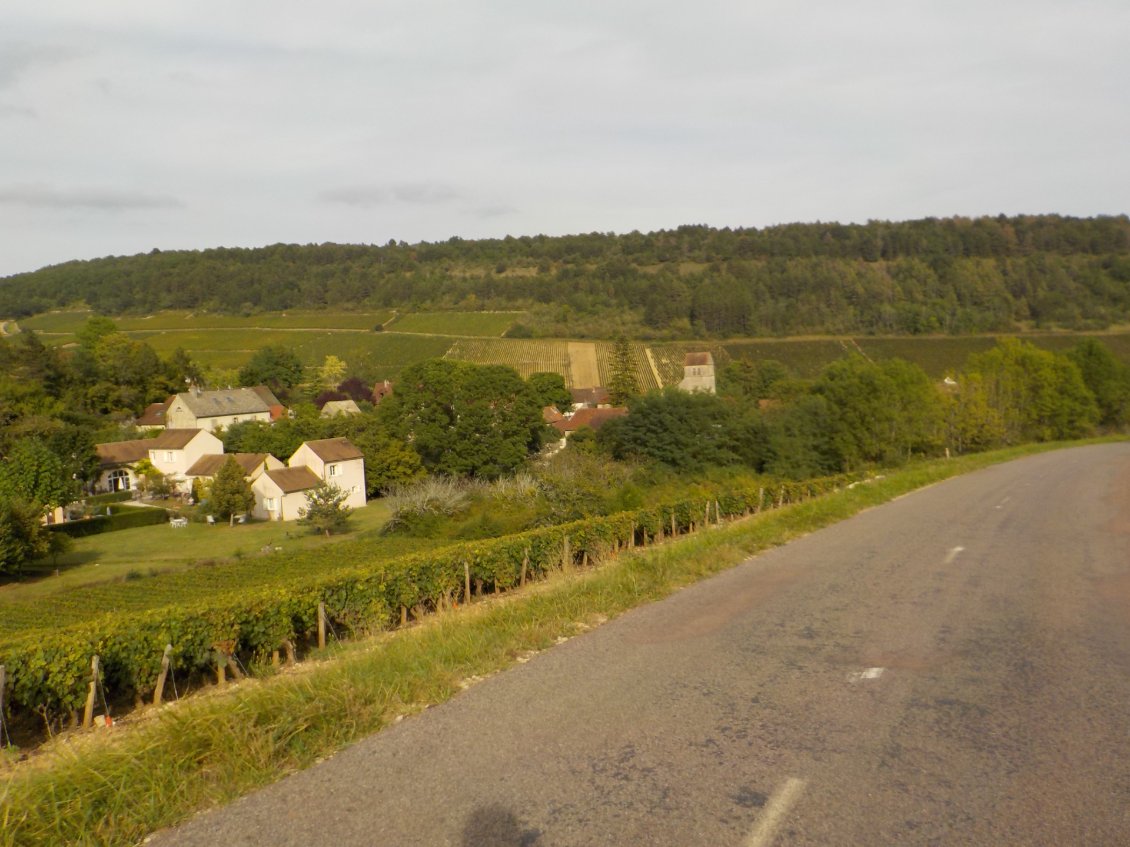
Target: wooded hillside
x,y
954,275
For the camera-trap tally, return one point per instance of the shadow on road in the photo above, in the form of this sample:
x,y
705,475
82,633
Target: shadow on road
x,y
497,826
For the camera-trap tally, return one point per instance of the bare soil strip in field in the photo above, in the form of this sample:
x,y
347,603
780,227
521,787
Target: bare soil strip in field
x,y
582,364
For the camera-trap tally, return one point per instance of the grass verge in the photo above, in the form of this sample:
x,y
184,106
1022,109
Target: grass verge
x,y
115,787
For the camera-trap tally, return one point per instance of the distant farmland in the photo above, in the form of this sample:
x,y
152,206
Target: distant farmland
x,y
227,341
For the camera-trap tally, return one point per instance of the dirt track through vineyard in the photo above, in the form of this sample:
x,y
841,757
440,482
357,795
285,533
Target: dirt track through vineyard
x,y
582,364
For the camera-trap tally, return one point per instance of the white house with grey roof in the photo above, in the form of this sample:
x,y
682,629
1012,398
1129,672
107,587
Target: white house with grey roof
x,y
212,410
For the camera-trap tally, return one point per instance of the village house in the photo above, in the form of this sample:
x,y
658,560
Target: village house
x,y
172,453
281,492
590,398
333,408
212,410
698,373
252,464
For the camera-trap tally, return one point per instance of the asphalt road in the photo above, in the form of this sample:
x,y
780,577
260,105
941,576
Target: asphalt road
x,y
951,668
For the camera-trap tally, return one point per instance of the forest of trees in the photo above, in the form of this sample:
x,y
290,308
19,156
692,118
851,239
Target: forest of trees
x,y
952,275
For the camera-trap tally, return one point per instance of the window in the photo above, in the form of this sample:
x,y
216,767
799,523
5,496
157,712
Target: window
x,y
168,455
269,504
331,470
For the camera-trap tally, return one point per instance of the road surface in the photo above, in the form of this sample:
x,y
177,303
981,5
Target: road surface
x,y
951,668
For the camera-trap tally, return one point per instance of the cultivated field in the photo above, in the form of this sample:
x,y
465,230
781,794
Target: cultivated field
x,y
474,324
227,341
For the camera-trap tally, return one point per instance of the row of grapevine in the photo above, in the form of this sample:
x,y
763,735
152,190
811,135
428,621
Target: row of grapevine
x,y
525,356
48,671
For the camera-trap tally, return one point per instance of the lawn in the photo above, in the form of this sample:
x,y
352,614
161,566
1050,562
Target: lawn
x,y
111,556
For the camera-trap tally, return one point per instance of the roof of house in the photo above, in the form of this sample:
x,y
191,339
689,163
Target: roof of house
x,y
595,396
334,449
693,359
228,401
340,407
173,439
266,395
210,465
550,414
278,411
592,418
154,415
290,480
123,452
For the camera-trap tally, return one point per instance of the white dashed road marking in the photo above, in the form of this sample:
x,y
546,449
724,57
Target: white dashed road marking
x,y
870,673
774,813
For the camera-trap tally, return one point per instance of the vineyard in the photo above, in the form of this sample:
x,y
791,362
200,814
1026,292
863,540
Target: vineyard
x,y
486,324
49,669
526,356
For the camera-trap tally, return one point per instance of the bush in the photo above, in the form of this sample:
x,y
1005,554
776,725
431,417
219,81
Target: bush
x,y
127,518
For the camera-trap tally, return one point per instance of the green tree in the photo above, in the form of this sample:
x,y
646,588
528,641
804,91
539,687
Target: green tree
x,y
549,390
275,366
34,473
464,419
1107,378
331,373
23,536
231,492
622,384
325,510
1039,395
685,431
879,413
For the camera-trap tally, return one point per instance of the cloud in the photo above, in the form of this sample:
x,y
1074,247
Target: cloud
x,y
17,57
104,199
413,193
9,111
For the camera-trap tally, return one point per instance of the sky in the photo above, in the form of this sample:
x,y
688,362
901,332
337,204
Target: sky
x,y
129,126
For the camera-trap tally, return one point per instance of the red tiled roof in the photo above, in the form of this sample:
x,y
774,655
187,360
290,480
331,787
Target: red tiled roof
x,y
154,415
550,415
592,418
174,439
596,396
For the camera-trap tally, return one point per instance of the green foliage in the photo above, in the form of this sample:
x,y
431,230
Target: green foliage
x,y
879,413
276,366
1039,396
231,492
22,535
622,385
1107,379
688,432
325,511
34,473
49,669
549,390
124,518
473,420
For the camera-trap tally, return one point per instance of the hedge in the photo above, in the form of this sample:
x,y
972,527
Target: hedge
x,y
127,518
49,673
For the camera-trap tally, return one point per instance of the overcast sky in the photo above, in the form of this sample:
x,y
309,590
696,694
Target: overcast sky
x,y
126,126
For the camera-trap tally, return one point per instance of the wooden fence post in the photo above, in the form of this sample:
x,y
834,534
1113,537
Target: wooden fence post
x,y
760,498
321,625
3,683
674,531
159,691
288,645
717,513
404,616
88,713
467,583
525,565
